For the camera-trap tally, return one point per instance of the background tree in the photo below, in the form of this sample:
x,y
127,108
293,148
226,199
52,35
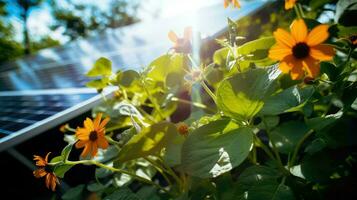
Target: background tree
x,y
82,20
25,7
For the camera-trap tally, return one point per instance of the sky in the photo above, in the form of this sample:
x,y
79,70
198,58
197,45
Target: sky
x,y
40,18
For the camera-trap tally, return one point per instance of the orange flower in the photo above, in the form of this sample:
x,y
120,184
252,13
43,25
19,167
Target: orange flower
x,y
235,3
51,179
289,4
301,51
92,136
182,45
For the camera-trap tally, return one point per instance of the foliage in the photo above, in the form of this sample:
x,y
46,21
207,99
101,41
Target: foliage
x,y
246,131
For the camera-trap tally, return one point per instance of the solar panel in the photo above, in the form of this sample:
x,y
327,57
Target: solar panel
x,y
46,89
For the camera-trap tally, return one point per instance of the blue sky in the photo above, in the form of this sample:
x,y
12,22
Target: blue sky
x,y
40,18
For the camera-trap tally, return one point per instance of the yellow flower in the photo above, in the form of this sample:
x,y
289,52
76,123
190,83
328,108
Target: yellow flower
x,y
182,45
235,3
42,163
301,51
289,4
92,136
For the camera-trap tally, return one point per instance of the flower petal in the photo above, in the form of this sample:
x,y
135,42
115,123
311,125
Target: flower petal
x,y
278,52
289,4
284,38
94,149
297,71
97,120
172,36
88,124
311,66
86,150
104,122
299,30
322,52
48,180
317,35
236,3
286,64
81,144
38,173
102,143
187,35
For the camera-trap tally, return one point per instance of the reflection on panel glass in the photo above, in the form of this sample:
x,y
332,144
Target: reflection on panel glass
x,y
131,47
18,112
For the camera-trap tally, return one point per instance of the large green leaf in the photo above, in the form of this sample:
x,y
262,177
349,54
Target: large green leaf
x,y
172,155
243,95
270,191
287,135
122,194
102,67
74,193
261,182
287,100
149,141
162,67
257,51
215,148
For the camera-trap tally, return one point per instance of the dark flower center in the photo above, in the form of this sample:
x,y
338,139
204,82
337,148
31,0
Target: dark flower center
x,y
93,136
301,50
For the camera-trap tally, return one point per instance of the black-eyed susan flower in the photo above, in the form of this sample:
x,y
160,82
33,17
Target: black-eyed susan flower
x,y
289,4
92,136
300,51
182,45
182,128
50,177
235,3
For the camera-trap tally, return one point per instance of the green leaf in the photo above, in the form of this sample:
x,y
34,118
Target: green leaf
x,y
287,135
243,95
95,187
260,182
148,142
215,148
98,83
257,51
270,191
319,123
256,174
122,194
66,151
61,169
220,57
318,167
160,68
74,193
127,78
287,100
172,155
102,67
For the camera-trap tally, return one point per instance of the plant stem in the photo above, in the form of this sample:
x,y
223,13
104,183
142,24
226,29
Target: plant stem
x,y
170,171
275,150
199,105
209,92
153,101
160,169
98,164
297,148
297,12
